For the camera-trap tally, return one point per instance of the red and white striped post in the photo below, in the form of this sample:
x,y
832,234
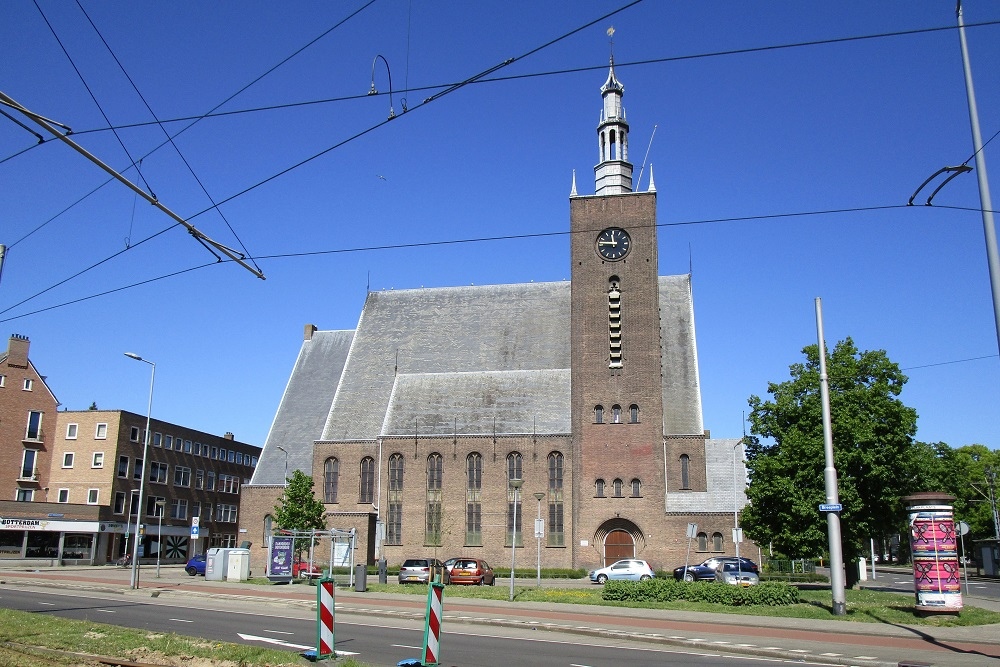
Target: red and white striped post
x,y
325,619
432,630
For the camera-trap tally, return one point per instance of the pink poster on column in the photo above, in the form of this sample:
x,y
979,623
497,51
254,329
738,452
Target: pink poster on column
x,y
933,543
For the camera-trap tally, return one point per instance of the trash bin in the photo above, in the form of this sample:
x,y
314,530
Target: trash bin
x,y
360,577
382,571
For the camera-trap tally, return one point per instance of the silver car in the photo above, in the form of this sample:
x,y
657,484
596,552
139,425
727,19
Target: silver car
x,y
731,573
422,571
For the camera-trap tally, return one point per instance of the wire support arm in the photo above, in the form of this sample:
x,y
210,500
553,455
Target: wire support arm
x,y
237,257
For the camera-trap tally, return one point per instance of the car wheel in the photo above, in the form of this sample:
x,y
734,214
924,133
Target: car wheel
x,y
191,571
602,578
482,581
688,576
645,577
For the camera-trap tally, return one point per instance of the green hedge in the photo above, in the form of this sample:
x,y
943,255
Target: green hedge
x,y
667,590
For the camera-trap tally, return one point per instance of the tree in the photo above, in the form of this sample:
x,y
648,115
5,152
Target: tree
x,y
298,509
873,446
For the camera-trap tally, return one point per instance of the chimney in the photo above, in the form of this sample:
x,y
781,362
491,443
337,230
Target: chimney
x,y
228,435
17,351
310,330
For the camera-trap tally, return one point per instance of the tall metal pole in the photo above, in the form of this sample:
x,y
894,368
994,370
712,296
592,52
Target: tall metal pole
x,y
538,537
736,510
514,484
992,256
134,580
830,478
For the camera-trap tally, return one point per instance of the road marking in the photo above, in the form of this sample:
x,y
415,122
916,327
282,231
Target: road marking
x,y
278,632
831,655
865,657
415,648
48,604
180,620
271,640
105,611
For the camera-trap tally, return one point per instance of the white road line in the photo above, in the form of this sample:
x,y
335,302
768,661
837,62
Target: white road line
x,y
415,648
180,620
865,657
278,632
105,611
48,604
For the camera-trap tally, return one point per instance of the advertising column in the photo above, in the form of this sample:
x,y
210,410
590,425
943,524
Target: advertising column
x,y
937,580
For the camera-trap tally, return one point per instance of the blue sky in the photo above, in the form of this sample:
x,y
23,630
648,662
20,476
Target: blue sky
x,y
739,137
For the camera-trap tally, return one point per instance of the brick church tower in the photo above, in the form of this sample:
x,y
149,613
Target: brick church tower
x,y
617,393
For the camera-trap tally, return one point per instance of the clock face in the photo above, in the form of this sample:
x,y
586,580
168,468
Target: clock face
x,y
613,243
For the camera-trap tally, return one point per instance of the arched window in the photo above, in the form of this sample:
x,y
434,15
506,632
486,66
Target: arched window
x,y
616,414
513,500
432,534
617,485
636,488
367,496
685,471
633,414
473,499
555,537
331,478
716,541
394,517
599,488
598,414
702,542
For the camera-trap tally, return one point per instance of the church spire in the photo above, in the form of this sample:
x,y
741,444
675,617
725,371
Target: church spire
x,y
613,173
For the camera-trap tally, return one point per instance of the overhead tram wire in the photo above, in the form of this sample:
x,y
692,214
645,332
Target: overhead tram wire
x,y
559,72
486,239
93,97
194,119
169,138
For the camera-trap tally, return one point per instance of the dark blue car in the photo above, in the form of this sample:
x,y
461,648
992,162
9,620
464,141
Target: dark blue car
x,y
196,565
705,571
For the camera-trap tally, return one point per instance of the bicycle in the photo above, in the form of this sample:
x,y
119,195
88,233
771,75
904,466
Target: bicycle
x,y
124,561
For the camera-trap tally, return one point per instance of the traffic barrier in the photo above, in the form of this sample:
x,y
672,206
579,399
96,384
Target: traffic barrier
x,y
324,622
432,630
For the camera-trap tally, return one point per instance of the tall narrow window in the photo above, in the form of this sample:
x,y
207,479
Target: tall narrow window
x,y
702,542
367,495
599,488
28,464
633,414
617,487
614,324
598,414
331,477
636,488
556,537
685,471
616,414
473,499
716,541
34,430
435,471
513,501
394,523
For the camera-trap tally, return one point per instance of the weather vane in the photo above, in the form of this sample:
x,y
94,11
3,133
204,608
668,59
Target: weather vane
x,y
611,41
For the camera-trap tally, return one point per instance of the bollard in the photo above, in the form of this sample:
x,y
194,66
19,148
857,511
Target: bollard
x,y
383,571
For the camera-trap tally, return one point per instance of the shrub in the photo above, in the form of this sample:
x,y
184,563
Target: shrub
x,y
769,594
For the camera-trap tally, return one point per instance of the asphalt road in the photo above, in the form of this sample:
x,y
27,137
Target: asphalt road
x,y
376,642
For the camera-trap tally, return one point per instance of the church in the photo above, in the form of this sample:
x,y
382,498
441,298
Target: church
x,y
473,421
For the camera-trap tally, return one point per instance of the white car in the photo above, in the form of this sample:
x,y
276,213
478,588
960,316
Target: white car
x,y
632,569
731,573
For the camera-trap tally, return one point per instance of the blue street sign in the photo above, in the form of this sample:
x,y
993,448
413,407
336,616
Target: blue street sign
x,y
830,507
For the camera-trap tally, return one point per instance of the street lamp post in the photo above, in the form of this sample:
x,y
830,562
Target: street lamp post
x,y
538,537
515,484
286,463
159,534
134,581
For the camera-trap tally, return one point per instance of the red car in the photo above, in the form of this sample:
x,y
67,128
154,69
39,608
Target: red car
x,y
472,571
302,568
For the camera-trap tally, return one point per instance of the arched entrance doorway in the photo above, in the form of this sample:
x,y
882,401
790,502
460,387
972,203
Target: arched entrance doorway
x,y
620,539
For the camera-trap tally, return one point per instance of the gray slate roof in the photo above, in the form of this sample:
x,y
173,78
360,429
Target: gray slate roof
x,y
304,406
724,491
460,359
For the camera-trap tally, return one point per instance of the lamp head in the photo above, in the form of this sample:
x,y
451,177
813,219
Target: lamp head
x,y
539,496
133,355
516,483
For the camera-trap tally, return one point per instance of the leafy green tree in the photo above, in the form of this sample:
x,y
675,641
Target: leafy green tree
x,y
298,508
872,441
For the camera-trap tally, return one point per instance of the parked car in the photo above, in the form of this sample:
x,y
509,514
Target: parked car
x,y
730,573
422,571
630,568
470,571
196,565
450,563
302,568
705,571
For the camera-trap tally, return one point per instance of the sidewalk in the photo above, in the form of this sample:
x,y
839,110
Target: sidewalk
x,y
830,642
